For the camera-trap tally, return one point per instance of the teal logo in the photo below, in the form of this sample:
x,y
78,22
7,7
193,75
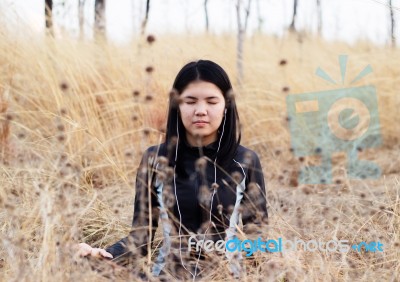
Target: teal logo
x,y
340,120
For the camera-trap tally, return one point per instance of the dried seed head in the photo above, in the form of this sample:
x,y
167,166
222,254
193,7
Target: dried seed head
x,y
60,127
203,228
9,117
237,177
306,190
63,111
253,190
285,89
230,96
174,98
248,159
168,196
149,69
150,38
163,161
61,138
301,159
252,228
201,164
214,186
172,143
99,100
128,154
135,93
220,209
161,176
146,132
169,171
148,98
64,86
282,62
204,195
135,118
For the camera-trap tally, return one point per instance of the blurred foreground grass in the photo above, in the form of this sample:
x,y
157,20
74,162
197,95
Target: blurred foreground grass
x,y
75,118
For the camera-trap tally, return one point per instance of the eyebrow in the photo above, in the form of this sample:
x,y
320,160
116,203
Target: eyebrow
x,y
195,98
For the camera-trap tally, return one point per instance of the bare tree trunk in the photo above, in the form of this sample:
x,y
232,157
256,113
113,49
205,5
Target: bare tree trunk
x,y
206,14
100,17
292,26
240,39
260,19
48,11
239,47
392,25
319,13
246,20
146,17
81,15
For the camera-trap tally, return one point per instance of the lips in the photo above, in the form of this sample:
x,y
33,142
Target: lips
x,y
200,122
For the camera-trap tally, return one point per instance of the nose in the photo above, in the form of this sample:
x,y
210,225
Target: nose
x,y
201,110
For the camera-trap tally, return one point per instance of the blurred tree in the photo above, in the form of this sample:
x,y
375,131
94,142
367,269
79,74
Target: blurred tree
x,y
392,24
206,14
240,38
48,11
100,18
319,12
81,14
146,16
292,26
260,19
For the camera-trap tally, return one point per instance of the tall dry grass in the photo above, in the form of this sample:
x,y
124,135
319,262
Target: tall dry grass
x,y
75,118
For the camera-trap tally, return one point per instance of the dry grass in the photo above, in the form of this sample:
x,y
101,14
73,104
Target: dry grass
x,y
75,118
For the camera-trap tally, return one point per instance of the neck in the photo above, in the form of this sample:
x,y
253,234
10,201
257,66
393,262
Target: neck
x,y
200,141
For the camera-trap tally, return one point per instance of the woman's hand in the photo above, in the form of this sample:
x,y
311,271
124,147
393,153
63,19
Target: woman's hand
x,y
86,250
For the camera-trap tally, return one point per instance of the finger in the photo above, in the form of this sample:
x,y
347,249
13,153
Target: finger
x,y
84,249
106,254
95,252
84,253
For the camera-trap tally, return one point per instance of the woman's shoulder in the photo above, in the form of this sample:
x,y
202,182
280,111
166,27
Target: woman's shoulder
x,y
159,150
246,155
245,152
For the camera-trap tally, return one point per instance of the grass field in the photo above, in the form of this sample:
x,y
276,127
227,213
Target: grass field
x,y
75,118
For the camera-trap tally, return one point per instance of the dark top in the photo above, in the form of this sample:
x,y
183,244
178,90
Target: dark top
x,y
240,190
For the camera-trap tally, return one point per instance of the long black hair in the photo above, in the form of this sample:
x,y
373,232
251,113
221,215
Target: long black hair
x,y
204,70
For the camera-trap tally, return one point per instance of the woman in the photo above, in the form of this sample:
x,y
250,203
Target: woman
x,y
200,181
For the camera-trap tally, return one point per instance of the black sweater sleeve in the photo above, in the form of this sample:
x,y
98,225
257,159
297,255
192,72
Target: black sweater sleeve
x,y
142,233
254,207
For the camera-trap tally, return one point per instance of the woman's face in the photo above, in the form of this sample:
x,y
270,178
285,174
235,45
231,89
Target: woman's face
x,y
202,109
